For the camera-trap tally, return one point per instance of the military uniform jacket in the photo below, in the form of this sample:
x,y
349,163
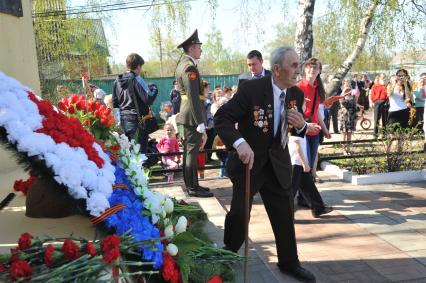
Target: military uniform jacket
x,y
252,107
192,111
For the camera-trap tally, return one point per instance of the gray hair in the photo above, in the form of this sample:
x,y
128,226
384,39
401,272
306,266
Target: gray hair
x,y
277,56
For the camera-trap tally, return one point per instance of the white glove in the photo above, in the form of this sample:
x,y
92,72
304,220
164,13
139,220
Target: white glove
x,y
201,128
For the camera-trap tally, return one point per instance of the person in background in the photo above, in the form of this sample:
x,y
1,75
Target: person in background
x,y
169,143
128,87
99,95
115,111
222,155
254,64
302,179
357,87
227,92
365,91
175,98
334,109
419,101
314,93
211,133
399,93
378,98
347,113
218,100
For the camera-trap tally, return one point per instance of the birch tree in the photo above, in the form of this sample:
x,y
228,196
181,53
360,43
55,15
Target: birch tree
x,y
304,37
365,26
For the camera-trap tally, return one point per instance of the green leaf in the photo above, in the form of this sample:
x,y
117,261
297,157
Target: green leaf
x,y
186,243
184,263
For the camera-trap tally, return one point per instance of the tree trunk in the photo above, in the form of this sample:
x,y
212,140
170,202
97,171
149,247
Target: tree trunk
x,y
366,22
304,39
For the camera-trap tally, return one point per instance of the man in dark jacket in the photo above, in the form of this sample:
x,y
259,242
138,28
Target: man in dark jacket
x,y
129,87
255,66
260,107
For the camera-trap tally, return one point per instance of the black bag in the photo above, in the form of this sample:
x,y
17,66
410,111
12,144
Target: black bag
x,y
148,122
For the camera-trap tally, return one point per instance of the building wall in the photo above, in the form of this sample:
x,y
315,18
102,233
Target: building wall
x,y
18,57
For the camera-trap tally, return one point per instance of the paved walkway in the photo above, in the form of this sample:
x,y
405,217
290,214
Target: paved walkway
x,y
377,233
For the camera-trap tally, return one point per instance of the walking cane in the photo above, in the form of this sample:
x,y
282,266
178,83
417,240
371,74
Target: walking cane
x,y
246,224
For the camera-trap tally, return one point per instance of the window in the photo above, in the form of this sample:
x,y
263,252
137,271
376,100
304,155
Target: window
x,y
12,7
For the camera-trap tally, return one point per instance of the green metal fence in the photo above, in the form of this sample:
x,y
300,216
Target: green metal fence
x,y
164,86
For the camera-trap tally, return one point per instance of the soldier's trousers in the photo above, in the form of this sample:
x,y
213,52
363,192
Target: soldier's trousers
x,y
191,147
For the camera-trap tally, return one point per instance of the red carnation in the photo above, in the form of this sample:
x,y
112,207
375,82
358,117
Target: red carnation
x,y
90,249
15,254
63,129
24,241
110,242
215,279
20,269
63,104
23,186
170,270
2,268
81,105
115,147
111,255
48,255
73,98
71,109
70,250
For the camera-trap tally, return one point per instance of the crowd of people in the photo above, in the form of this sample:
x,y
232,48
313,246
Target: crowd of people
x,y
271,124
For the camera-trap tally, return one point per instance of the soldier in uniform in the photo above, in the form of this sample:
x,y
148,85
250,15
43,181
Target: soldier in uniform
x,y
192,116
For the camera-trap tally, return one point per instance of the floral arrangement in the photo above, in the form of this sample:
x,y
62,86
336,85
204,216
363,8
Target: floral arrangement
x,y
96,117
68,259
35,128
115,189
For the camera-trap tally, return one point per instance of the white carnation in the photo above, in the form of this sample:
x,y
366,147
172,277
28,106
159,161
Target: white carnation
x,y
181,225
168,231
172,249
168,206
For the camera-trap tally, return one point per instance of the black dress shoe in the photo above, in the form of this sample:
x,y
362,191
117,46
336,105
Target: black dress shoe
x,y
318,212
203,188
200,193
298,272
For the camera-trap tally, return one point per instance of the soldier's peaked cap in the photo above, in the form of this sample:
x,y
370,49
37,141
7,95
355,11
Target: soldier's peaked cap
x,y
193,39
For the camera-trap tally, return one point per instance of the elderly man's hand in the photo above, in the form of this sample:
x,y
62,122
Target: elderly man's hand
x,y
295,118
246,154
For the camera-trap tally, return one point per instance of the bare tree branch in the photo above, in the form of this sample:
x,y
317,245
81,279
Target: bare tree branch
x,y
419,7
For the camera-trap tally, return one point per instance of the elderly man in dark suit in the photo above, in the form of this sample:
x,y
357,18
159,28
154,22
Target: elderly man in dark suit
x,y
260,107
256,70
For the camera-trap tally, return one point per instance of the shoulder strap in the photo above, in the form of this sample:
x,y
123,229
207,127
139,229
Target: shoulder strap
x,y
315,101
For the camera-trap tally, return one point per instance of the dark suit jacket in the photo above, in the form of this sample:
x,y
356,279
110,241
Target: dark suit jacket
x,y
360,85
248,76
244,108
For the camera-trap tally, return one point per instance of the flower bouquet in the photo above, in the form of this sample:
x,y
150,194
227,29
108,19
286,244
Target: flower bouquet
x,y
97,118
69,259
